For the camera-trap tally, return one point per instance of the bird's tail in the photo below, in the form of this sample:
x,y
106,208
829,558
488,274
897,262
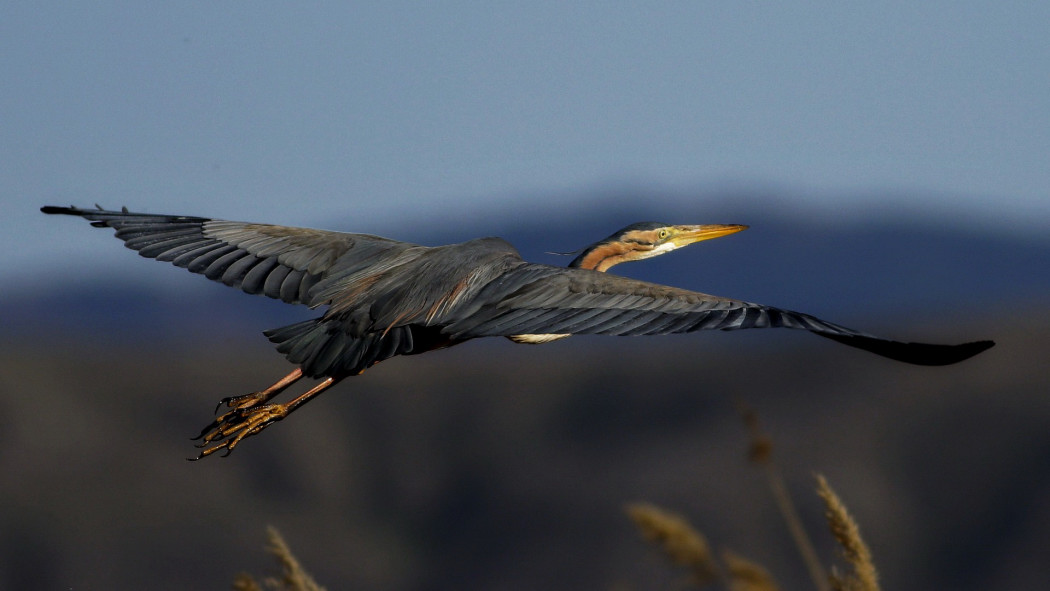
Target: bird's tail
x,y
322,347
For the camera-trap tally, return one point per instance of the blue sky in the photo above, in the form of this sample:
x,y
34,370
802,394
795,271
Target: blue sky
x,y
396,114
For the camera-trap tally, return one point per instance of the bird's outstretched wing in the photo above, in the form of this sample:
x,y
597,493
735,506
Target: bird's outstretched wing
x,y
539,299
280,262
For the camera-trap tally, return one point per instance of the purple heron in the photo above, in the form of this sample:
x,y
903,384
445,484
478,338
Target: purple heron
x,y
385,298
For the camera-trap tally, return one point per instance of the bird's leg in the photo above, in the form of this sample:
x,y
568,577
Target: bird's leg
x,y
229,429
256,398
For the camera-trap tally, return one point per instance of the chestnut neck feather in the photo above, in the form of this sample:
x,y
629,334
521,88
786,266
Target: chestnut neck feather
x,y
604,255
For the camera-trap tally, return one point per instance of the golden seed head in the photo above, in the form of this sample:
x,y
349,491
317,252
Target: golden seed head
x,y
846,532
676,538
745,575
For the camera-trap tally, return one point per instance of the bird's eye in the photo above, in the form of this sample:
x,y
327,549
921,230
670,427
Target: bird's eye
x,y
664,233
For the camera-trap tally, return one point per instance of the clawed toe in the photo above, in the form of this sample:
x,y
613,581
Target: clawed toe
x,y
244,401
229,429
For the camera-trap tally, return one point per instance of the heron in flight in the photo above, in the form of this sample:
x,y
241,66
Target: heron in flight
x,y
385,298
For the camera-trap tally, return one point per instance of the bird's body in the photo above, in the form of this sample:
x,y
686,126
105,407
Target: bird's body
x,y
384,298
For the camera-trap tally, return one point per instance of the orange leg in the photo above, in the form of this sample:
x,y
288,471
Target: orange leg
x,y
261,396
250,414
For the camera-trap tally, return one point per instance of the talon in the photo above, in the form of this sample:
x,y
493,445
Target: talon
x,y
208,433
244,401
209,451
204,432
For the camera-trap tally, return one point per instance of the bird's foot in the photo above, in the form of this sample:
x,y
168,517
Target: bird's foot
x,y
250,414
245,401
246,419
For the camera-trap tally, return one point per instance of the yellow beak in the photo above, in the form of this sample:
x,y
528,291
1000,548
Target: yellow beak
x,y
689,234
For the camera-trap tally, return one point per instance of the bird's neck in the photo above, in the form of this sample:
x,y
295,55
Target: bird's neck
x,y
602,256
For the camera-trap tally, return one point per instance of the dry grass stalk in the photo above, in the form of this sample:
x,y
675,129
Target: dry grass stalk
x,y
760,451
679,541
760,445
293,577
745,575
846,532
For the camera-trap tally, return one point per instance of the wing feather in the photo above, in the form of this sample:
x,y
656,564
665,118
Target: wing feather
x,y
202,263
237,271
538,299
289,289
280,262
154,249
217,268
192,254
254,281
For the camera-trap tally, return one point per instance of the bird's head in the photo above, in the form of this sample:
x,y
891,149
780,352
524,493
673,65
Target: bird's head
x,y
646,239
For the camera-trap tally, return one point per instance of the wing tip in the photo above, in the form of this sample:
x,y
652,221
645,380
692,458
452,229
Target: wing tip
x,y
57,209
74,210
914,353
968,350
